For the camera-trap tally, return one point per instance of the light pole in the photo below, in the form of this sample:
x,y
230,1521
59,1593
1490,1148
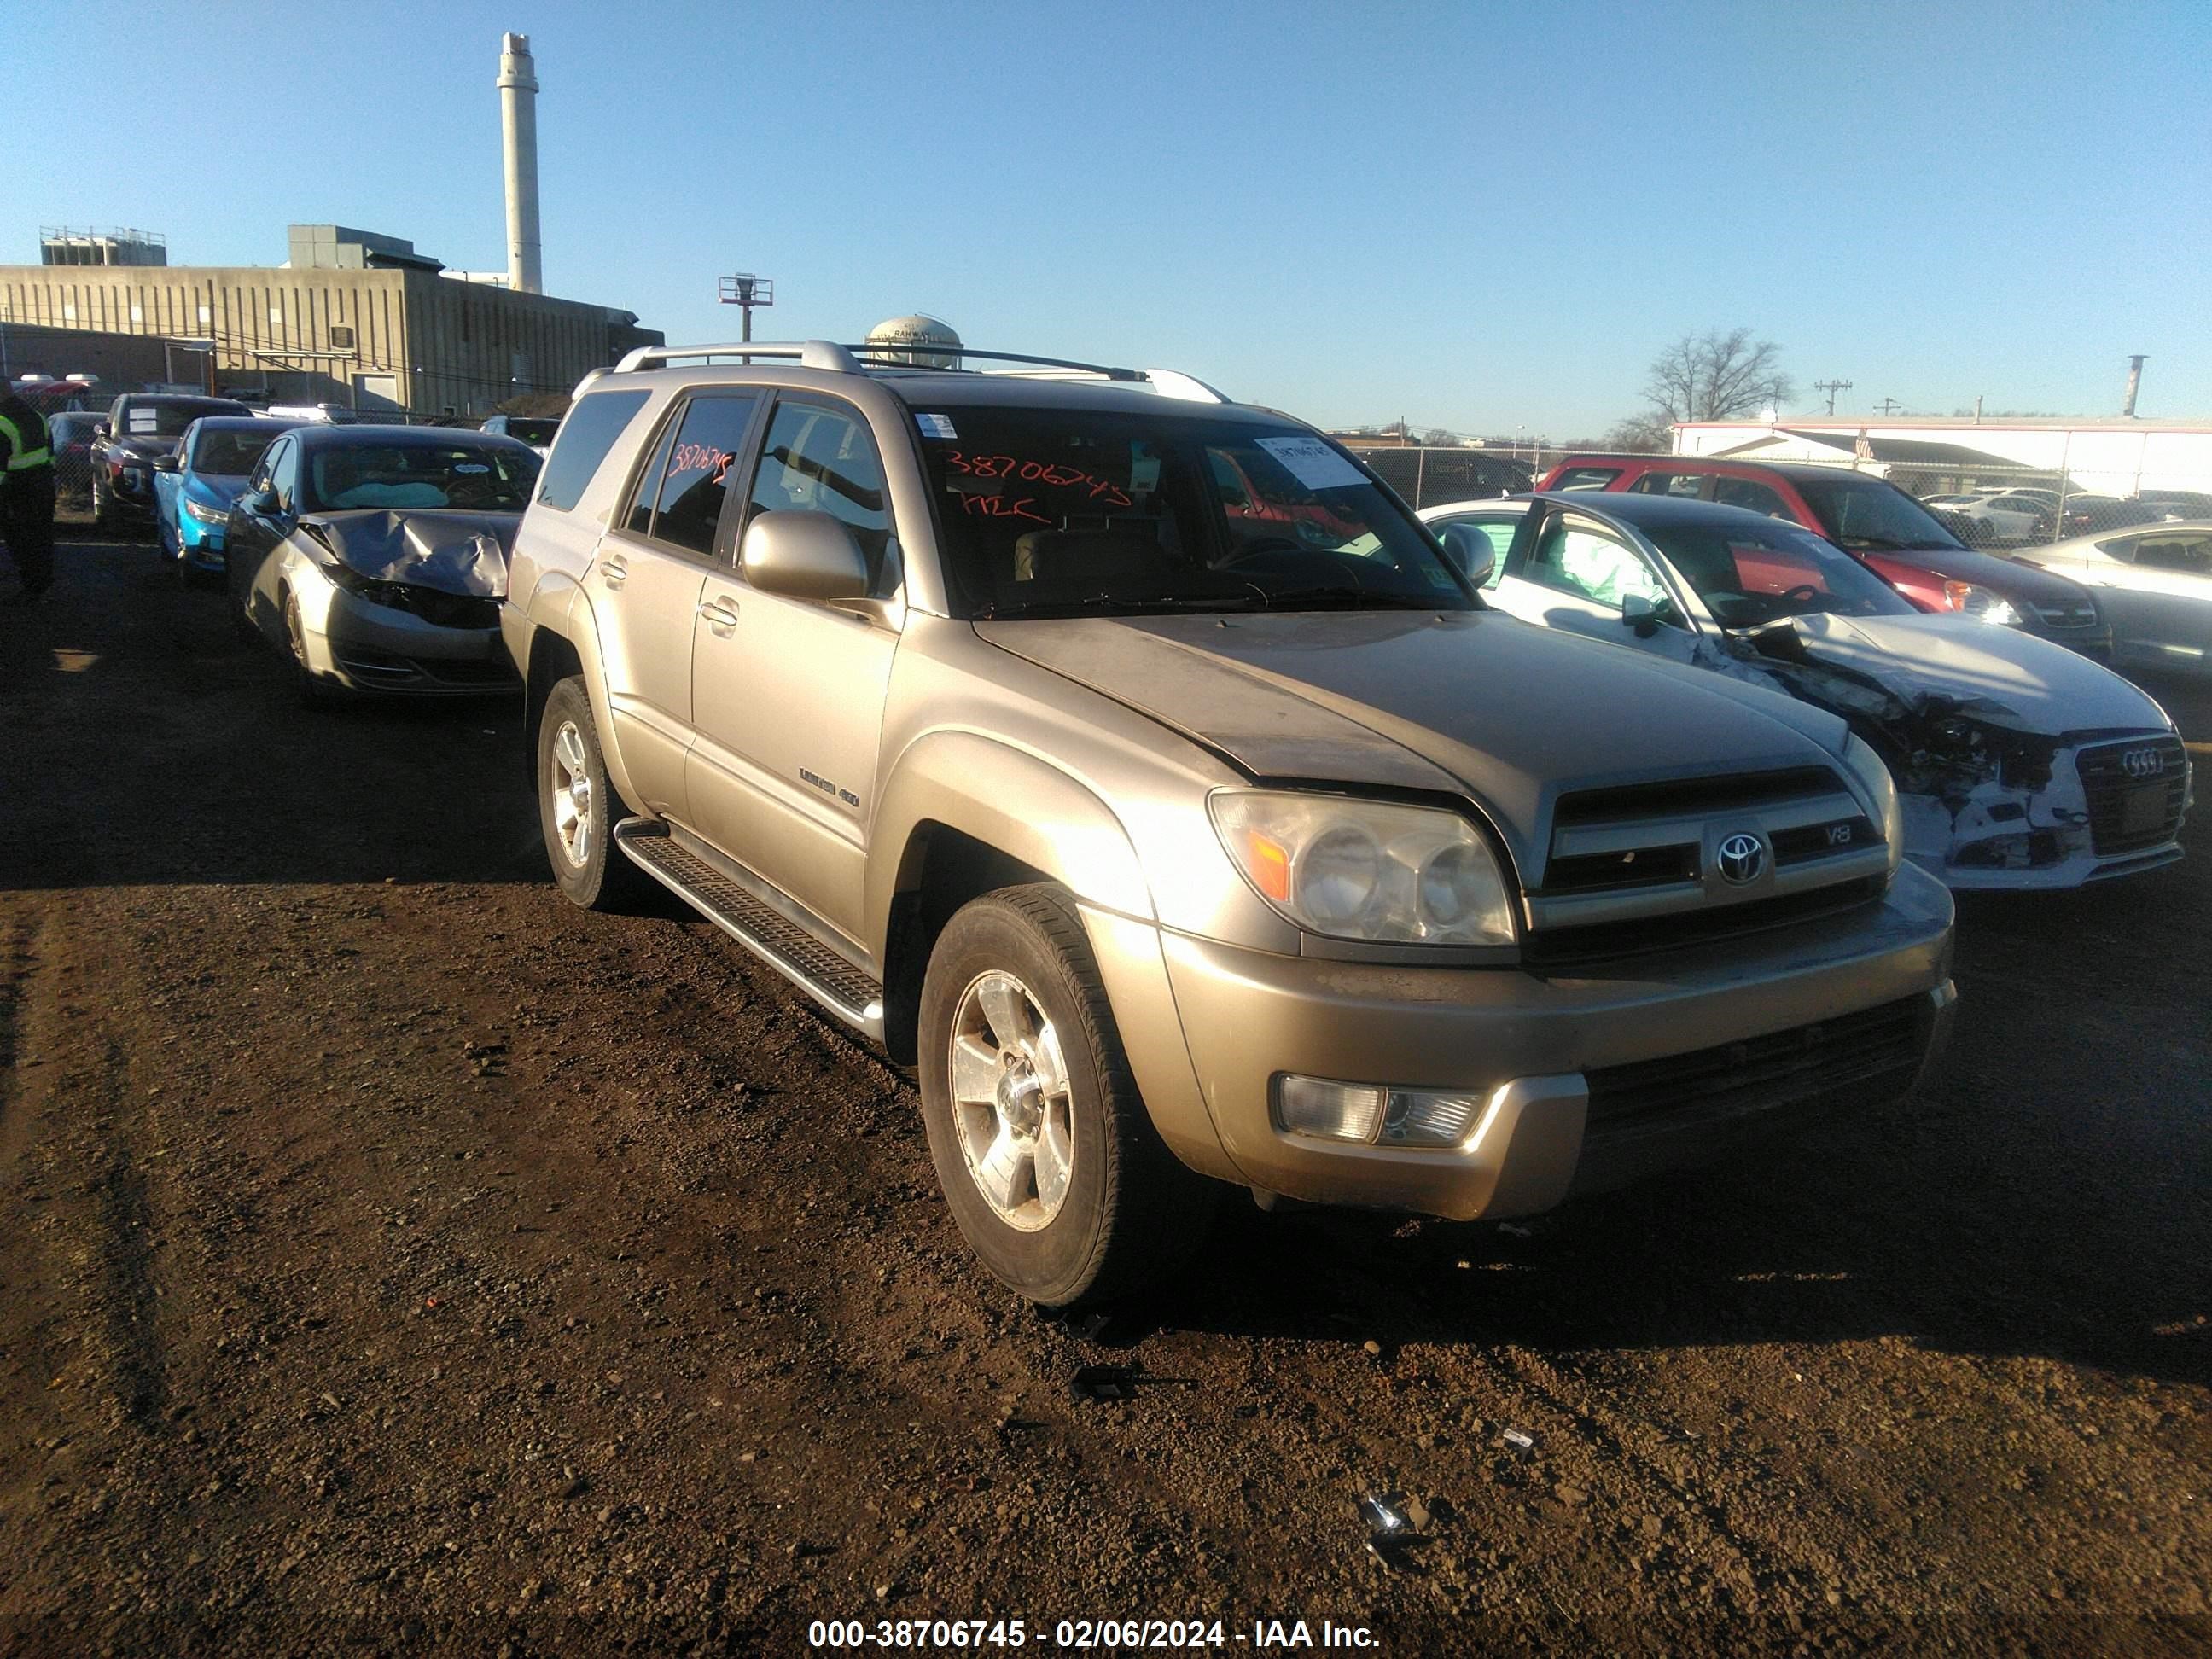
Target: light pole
x,y
748,290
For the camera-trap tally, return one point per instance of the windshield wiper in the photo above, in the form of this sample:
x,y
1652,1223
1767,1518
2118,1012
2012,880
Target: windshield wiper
x,y
1150,603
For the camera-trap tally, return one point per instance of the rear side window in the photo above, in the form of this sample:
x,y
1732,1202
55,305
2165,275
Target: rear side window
x,y
707,443
586,437
1752,497
1690,484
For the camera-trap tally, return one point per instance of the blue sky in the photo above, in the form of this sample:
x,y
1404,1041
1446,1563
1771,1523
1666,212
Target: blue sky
x,y
1480,218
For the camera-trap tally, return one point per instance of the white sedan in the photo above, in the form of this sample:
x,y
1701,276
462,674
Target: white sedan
x,y
2154,583
2019,763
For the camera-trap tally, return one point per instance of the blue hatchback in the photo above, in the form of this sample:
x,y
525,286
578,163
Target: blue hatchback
x,y
194,488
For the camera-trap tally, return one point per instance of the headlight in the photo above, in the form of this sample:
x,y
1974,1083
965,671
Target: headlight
x,y
1367,870
202,514
1882,792
1980,604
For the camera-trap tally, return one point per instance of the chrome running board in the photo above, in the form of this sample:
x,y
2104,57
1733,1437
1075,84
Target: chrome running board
x,y
762,928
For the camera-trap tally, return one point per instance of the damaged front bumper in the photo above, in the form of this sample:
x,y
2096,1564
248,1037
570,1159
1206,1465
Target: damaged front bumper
x,y
2103,809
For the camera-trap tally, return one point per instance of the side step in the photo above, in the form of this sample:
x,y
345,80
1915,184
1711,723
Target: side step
x,y
813,966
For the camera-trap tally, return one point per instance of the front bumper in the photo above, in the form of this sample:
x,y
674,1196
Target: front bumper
x,y
1574,1070
367,646
2004,838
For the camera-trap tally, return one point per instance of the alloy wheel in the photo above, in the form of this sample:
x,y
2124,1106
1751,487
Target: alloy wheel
x,y
1013,1109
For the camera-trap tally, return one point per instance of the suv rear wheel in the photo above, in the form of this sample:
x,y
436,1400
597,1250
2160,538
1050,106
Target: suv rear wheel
x,y
578,807
1048,1158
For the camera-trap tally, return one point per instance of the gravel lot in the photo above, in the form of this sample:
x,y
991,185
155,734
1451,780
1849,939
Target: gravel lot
x,y
391,1256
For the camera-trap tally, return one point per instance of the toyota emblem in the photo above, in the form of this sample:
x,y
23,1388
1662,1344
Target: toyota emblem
x,y
2144,763
1742,859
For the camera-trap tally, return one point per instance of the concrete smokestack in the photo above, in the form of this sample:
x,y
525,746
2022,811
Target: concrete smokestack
x,y
518,122
2135,384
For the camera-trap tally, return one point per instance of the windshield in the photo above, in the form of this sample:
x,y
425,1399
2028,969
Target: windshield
x,y
1867,513
466,478
531,429
228,453
1757,571
1071,512
169,418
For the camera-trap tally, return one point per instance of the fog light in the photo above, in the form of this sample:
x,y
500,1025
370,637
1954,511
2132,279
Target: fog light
x,y
1328,1111
1369,1115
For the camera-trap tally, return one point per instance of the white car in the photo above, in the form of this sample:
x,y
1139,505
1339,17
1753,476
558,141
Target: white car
x,y
2154,583
2019,763
2011,516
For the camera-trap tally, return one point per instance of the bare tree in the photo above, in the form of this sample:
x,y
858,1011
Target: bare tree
x,y
1436,437
1716,377
1639,435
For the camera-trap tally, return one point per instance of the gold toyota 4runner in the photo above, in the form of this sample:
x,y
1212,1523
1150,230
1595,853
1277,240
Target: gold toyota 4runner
x,y
1136,768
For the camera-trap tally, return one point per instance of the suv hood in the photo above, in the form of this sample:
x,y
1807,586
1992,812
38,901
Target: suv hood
x,y
452,552
1466,701
2014,577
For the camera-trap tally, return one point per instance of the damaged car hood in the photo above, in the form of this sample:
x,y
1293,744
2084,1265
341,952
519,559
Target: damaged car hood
x,y
2009,678
1461,701
452,552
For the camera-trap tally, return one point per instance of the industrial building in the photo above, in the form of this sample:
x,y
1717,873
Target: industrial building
x,y
354,319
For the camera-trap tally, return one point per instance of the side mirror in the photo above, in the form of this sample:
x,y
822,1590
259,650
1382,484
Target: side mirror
x,y
805,556
167,464
257,502
1472,552
99,429
1641,612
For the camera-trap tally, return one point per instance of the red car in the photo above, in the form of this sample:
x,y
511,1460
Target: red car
x,y
1877,523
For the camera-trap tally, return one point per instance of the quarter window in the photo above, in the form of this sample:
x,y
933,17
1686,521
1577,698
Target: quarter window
x,y
818,459
586,438
1586,478
2190,555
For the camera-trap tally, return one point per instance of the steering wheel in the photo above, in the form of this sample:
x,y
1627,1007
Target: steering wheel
x,y
1805,592
1261,547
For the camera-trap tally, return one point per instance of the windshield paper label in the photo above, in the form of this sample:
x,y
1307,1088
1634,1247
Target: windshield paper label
x,y
144,420
935,426
1313,463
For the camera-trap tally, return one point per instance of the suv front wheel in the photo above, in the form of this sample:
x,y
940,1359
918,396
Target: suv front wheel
x,y
1048,1158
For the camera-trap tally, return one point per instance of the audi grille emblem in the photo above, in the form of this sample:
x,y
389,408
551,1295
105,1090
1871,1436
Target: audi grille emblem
x,y
2144,762
1741,859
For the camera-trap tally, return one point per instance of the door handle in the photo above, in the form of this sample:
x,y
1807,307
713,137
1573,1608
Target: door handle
x,y
613,572
722,614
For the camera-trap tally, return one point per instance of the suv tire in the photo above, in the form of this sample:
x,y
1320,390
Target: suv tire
x,y
1025,1092
578,806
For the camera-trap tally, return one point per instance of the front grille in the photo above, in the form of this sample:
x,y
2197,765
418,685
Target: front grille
x,y
1692,795
486,671
442,609
1734,1079
1645,867
1561,948
2133,809
2057,616
1817,841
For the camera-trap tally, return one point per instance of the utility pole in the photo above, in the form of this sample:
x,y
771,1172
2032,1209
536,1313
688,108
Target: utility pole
x,y
1832,387
747,290
1890,406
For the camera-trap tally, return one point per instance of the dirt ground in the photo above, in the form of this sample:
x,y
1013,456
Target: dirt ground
x,y
393,1258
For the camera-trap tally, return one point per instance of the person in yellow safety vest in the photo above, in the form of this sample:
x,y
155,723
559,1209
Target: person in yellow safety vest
x,y
27,494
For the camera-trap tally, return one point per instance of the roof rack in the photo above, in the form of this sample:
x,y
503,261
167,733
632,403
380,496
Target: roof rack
x,y
848,360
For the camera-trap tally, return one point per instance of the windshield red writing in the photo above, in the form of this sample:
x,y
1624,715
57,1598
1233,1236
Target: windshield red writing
x,y
1003,507
1051,474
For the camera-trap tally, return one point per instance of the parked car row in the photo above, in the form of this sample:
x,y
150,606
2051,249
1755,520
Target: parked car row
x,y
1149,778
